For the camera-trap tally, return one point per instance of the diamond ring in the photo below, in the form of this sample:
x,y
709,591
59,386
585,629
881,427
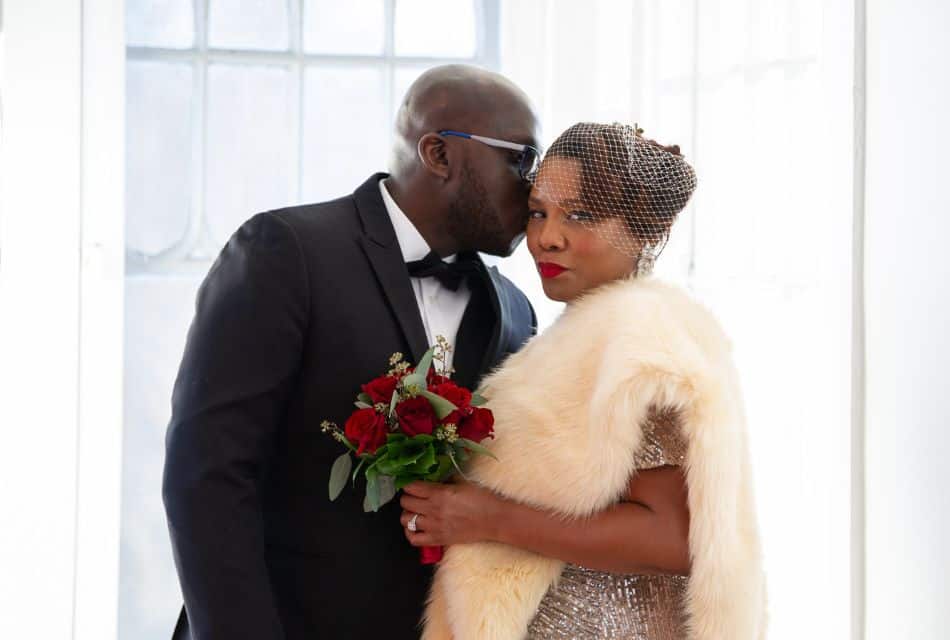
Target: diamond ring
x,y
412,523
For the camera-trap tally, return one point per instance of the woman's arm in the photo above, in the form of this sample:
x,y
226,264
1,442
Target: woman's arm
x,y
648,533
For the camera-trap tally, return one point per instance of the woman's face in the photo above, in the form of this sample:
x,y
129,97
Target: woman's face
x,y
568,243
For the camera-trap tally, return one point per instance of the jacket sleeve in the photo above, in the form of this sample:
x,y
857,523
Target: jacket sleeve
x,y
239,366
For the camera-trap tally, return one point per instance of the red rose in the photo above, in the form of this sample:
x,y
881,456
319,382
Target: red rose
x,y
455,394
367,428
381,389
433,379
416,416
477,425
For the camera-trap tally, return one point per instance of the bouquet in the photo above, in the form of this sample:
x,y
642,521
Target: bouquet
x,y
410,424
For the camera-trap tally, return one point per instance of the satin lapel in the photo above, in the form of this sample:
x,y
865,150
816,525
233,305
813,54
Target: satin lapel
x,y
500,305
385,256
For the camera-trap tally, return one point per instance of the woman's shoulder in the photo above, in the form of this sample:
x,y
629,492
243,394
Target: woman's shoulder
x,y
649,307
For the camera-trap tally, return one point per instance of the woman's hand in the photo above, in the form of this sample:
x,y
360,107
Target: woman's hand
x,y
449,513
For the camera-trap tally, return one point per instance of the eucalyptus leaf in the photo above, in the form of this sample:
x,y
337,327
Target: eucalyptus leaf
x,y
478,400
417,380
371,502
387,489
476,448
358,467
456,465
339,474
393,402
362,405
440,405
424,364
365,399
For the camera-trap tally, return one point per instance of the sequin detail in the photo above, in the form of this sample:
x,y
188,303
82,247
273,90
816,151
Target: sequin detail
x,y
586,604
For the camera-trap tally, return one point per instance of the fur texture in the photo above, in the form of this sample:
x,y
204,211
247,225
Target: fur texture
x,y
574,398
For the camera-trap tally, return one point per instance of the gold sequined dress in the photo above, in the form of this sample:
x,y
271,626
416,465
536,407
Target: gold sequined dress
x,y
595,605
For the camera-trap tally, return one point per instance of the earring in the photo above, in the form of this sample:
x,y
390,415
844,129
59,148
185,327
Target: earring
x,y
645,264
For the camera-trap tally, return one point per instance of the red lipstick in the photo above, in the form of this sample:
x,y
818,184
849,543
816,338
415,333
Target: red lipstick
x,y
550,270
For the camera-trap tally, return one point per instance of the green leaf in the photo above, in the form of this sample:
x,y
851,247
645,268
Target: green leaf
x,y
424,463
387,489
402,455
440,405
339,474
362,405
476,448
365,399
442,471
396,437
403,480
478,400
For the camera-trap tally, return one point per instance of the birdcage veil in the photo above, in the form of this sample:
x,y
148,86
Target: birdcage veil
x,y
620,176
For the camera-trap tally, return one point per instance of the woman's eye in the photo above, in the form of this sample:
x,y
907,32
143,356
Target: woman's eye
x,y
535,215
580,216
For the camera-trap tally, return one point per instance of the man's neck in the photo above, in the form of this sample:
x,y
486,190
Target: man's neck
x,y
429,224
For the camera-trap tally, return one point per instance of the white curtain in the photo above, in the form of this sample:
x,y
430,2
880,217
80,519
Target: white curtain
x,y
758,95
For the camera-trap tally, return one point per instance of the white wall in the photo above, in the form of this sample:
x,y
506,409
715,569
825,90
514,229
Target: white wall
x,y
61,263
908,319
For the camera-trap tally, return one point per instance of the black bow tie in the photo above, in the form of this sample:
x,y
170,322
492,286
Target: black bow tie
x,y
450,275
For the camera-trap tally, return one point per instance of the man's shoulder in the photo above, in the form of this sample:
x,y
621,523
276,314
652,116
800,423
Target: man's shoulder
x,y
517,301
319,220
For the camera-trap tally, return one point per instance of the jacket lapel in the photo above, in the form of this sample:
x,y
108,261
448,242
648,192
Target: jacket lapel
x,y
501,337
385,256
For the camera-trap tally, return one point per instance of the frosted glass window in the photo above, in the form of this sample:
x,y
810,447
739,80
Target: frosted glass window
x,y
674,51
160,23
431,29
248,24
250,147
347,130
158,154
356,27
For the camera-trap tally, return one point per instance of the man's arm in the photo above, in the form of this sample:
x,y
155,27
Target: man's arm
x,y
239,367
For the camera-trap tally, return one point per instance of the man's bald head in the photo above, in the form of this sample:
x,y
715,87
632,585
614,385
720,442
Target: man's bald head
x,y
461,194
462,98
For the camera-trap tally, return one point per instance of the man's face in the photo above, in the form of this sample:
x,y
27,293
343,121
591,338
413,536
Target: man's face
x,y
490,211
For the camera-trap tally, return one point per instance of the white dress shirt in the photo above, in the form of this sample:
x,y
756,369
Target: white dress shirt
x,y
441,308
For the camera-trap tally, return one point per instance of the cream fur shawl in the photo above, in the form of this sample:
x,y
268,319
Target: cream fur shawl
x,y
568,408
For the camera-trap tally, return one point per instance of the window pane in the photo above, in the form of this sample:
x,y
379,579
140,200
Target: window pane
x,y
346,129
425,28
251,153
158,311
354,27
248,24
157,154
160,23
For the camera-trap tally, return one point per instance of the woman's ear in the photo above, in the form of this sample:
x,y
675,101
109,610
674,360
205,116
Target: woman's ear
x,y
433,155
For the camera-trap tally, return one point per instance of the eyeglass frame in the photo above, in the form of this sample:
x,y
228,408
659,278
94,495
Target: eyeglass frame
x,y
501,144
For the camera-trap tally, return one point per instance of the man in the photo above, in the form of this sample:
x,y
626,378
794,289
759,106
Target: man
x,y
301,307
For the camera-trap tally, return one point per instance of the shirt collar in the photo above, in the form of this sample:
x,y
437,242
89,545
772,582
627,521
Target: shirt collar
x,y
411,242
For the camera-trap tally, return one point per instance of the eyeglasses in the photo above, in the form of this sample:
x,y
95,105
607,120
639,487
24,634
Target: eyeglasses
x,y
528,161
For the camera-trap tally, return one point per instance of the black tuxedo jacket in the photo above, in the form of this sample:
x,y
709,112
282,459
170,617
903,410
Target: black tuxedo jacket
x,y
301,307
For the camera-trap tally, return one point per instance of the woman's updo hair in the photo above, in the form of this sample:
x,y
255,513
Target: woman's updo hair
x,y
624,175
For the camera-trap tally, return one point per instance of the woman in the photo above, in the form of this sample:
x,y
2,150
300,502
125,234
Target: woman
x,y
620,503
